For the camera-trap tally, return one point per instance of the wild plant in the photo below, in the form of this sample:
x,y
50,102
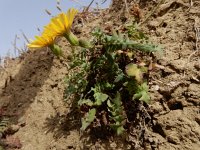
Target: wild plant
x,y
105,77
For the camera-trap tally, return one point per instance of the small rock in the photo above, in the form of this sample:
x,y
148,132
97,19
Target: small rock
x,y
22,122
151,140
13,129
173,139
178,64
156,107
78,29
168,70
197,119
191,36
197,66
113,145
155,87
19,105
153,24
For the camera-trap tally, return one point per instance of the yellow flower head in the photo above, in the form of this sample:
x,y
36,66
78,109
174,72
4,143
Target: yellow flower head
x,y
61,24
44,40
58,26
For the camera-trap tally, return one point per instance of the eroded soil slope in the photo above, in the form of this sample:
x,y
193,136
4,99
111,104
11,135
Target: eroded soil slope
x,y
32,86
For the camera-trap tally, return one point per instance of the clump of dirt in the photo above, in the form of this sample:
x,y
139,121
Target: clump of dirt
x,y
32,86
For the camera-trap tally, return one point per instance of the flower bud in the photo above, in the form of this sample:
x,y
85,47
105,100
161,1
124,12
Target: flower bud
x,y
56,50
85,44
72,39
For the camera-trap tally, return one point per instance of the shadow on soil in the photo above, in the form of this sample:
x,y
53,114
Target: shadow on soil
x,y
61,127
101,137
24,86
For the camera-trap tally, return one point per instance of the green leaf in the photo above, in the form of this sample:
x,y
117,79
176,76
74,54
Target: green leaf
x,y
116,114
119,118
145,97
142,93
100,98
134,71
87,102
1,148
107,86
130,54
119,77
118,128
131,86
117,100
120,41
88,119
144,86
109,104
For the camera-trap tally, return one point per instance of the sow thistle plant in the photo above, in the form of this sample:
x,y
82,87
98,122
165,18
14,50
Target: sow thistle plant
x,y
108,79
103,76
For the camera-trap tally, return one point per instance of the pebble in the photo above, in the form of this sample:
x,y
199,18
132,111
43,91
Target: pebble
x,y
173,139
13,129
197,66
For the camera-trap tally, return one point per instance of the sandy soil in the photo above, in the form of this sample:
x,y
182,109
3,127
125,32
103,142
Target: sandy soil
x,y
32,87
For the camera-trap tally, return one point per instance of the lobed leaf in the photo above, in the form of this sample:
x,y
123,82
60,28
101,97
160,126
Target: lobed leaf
x,y
88,119
133,70
142,93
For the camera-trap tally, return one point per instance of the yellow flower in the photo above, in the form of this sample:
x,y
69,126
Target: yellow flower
x,y
42,41
46,40
61,25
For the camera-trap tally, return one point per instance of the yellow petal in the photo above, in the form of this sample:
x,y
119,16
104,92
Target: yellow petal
x,y
71,15
64,20
59,25
42,41
56,24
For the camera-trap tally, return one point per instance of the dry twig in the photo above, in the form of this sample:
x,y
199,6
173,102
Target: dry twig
x,y
126,5
88,7
197,33
25,37
152,11
48,12
78,2
191,3
58,5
